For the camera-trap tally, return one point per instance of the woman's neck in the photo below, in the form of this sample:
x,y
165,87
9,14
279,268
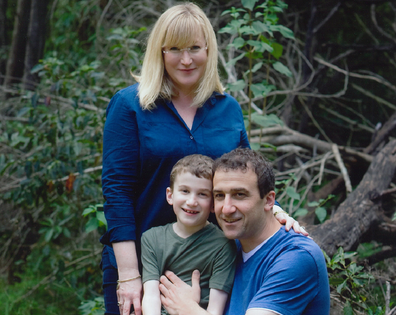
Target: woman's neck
x,y
182,103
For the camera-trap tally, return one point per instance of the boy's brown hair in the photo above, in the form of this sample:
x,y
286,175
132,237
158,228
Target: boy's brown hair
x,y
197,164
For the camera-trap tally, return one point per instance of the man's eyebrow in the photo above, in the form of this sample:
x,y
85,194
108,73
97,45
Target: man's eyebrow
x,y
239,190
233,190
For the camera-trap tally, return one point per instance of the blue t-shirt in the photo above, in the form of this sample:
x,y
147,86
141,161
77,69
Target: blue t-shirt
x,y
287,275
140,148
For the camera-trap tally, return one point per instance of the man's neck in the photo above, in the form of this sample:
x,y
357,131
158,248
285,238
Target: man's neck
x,y
270,227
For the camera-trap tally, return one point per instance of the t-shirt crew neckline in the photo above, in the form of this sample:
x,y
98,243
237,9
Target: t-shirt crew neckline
x,y
246,256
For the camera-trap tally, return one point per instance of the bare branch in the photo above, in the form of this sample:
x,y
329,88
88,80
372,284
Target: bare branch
x,y
342,168
379,29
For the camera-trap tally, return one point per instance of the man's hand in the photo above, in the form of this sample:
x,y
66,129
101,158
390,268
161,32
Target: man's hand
x,y
179,298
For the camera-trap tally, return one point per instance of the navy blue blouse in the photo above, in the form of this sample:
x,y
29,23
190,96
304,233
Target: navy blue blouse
x,y
140,148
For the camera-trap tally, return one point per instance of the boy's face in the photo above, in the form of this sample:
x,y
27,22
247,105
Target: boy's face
x,y
192,201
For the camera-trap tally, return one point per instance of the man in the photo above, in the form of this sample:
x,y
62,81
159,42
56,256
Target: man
x,y
277,272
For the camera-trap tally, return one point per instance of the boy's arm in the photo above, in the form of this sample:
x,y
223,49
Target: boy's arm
x,y
151,304
217,301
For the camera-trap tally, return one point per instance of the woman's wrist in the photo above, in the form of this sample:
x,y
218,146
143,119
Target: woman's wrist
x,y
276,210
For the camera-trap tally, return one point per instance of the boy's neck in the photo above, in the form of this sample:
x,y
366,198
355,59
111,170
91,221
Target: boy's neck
x,y
186,231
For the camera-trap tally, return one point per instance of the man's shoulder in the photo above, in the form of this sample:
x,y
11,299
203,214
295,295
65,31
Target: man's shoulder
x,y
294,241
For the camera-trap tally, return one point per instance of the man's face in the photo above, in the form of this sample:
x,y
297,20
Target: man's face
x,y
239,209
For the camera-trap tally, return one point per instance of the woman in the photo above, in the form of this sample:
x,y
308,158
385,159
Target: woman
x,y
177,109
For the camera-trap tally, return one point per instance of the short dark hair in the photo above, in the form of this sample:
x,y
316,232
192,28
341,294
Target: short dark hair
x,y
196,164
244,159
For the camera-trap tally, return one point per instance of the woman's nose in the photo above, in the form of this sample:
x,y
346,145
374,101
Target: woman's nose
x,y
185,58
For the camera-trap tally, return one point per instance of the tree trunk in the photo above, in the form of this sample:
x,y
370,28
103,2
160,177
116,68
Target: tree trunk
x,y
3,42
360,211
16,57
36,40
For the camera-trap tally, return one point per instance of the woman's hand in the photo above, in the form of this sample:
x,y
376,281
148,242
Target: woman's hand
x,y
289,222
130,293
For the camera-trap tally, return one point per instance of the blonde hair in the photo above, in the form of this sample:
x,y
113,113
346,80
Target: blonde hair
x,y
178,26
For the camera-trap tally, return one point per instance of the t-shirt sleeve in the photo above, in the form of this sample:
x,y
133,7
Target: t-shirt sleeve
x,y
290,284
149,257
223,271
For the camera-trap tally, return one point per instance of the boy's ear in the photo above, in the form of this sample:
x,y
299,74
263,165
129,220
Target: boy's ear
x,y
169,195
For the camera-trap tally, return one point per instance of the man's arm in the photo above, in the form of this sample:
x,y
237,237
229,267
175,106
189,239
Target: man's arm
x,y
179,298
151,304
260,311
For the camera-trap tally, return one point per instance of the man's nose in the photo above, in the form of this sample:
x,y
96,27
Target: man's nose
x,y
228,205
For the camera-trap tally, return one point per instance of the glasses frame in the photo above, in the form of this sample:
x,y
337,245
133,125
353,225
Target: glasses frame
x,y
180,51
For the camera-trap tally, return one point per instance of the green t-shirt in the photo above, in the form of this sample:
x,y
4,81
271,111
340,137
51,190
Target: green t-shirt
x,y
207,250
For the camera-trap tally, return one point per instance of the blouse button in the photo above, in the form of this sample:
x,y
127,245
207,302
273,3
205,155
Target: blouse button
x,y
191,137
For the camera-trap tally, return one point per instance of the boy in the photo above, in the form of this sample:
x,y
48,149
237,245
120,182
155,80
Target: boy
x,y
191,242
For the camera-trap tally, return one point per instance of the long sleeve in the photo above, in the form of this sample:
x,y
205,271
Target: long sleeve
x,y
120,170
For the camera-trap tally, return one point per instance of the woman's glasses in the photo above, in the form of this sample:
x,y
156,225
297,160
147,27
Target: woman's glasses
x,y
175,51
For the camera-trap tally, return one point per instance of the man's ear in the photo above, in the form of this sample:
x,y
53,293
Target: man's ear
x,y
169,196
269,201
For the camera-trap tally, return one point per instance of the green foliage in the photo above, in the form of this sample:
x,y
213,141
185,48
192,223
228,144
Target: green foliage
x,y
289,195
254,28
92,307
27,298
97,219
53,164
348,279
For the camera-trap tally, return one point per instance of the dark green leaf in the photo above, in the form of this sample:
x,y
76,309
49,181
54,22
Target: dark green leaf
x,y
255,146
347,308
278,50
236,86
300,212
92,224
266,120
321,213
286,32
233,61
260,27
282,69
291,192
249,4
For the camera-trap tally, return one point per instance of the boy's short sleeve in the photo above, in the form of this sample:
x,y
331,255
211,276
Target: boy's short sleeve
x,y
224,268
149,258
